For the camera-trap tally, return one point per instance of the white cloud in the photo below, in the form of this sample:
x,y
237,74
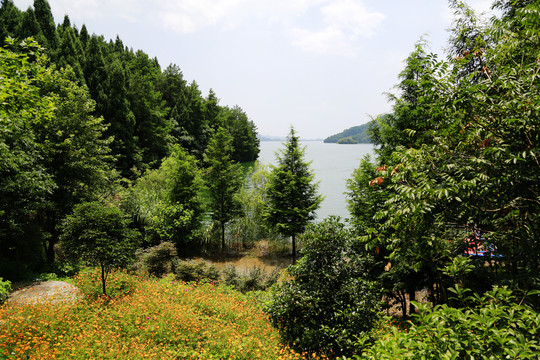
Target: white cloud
x,y
345,22
352,17
330,41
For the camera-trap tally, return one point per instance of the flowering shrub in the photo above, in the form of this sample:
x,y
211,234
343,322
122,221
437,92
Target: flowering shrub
x,y
160,320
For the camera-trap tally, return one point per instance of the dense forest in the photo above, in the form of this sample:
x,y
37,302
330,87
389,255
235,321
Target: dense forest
x,y
355,135
80,113
106,160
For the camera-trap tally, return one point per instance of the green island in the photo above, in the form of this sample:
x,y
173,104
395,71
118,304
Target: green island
x,y
354,135
138,202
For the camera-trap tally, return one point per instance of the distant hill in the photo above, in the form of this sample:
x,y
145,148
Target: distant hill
x,y
270,138
354,135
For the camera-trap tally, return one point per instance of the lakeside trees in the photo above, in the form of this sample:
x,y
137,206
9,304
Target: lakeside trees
x,y
292,197
81,111
458,159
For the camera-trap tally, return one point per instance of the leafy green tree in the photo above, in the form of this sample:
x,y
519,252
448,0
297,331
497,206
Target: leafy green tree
x,y
74,152
24,181
250,226
182,210
329,303
99,234
291,192
478,172
486,329
224,179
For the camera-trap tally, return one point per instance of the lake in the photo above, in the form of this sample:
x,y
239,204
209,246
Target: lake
x,y
332,164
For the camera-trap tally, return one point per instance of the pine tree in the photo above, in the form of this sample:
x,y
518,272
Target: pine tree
x,y
46,23
292,193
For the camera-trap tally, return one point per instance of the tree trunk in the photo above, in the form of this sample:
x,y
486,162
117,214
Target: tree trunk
x,y
294,248
49,250
103,279
412,297
222,236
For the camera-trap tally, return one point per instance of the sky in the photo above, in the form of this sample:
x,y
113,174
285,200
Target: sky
x,y
321,66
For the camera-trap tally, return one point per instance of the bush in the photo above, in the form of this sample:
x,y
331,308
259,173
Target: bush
x,y
328,304
158,260
494,326
5,288
195,271
119,283
254,280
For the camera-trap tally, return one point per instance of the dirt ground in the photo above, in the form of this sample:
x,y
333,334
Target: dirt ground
x,y
45,291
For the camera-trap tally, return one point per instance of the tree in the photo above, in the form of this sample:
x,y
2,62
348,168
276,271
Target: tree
x,y
74,151
46,23
98,234
477,174
181,212
244,132
291,192
24,181
223,179
328,304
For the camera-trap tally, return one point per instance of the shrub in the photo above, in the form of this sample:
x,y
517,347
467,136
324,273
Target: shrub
x,y
157,260
494,326
190,270
328,304
255,279
5,288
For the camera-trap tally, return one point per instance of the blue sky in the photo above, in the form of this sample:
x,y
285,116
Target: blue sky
x,y
319,65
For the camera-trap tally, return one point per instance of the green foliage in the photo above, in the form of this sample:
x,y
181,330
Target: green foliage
x,y
167,203
354,135
244,132
459,157
157,260
494,326
53,152
24,181
98,234
250,227
5,289
223,179
195,271
292,197
329,303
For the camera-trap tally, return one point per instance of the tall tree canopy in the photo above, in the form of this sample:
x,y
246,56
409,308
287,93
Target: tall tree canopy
x,y
65,144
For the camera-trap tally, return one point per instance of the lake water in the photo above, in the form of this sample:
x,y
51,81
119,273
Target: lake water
x,y
332,164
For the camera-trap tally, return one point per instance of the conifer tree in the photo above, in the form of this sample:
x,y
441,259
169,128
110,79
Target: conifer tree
x,y
224,180
292,193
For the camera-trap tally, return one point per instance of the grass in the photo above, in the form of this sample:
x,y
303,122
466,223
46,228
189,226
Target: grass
x,y
148,319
